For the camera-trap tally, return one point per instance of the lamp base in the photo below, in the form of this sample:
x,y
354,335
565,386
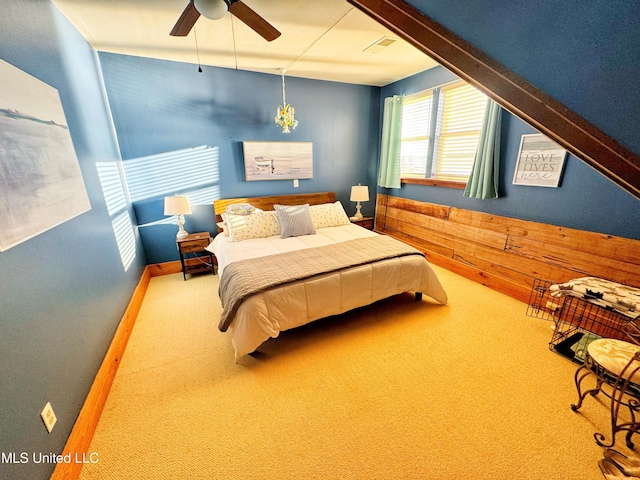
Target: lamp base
x,y
358,214
182,233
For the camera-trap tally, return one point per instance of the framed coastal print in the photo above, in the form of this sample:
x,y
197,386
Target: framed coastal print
x,y
540,161
40,180
277,160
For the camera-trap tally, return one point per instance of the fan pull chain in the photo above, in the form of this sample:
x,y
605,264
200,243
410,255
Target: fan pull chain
x,y
195,35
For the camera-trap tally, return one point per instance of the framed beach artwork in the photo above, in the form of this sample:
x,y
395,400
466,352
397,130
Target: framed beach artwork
x,y
540,161
277,160
41,185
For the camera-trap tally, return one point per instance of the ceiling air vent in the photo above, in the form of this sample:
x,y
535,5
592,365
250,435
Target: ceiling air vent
x,y
380,45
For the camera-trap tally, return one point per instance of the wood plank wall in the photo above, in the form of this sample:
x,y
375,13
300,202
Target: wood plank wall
x,y
504,253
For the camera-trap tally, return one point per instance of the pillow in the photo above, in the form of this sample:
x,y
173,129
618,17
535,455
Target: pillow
x,y
329,215
294,220
256,225
222,228
240,209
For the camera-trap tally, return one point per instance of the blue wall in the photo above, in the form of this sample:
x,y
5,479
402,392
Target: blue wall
x,y
62,293
161,106
581,52
585,200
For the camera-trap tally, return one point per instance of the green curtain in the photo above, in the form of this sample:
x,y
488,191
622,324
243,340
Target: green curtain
x,y
483,181
389,174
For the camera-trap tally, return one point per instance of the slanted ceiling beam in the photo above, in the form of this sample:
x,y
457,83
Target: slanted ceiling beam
x,y
515,94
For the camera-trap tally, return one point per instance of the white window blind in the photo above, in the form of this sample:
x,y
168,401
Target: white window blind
x,y
416,125
440,131
460,114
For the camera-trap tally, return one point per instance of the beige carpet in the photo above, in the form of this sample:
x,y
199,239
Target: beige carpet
x,y
397,390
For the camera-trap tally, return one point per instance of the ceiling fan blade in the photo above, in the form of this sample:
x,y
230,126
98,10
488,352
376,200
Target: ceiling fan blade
x,y
186,21
253,20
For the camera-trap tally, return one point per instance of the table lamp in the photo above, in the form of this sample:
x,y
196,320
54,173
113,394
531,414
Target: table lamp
x,y
179,206
359,193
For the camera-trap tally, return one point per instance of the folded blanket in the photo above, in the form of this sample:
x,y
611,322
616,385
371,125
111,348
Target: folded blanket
x,y
610,295
247,277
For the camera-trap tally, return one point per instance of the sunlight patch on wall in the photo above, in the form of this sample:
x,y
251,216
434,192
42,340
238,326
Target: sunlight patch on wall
x,y
123,230
112,187
204,196
172,220
172,172
115,198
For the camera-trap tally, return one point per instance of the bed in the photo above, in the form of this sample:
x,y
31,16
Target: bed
x,y
269,284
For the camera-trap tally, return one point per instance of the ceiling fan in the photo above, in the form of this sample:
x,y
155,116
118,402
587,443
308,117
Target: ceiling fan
x,y
215,9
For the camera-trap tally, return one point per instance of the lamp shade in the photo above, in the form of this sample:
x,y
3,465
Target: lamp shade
x,y
359,193
213,9
176,205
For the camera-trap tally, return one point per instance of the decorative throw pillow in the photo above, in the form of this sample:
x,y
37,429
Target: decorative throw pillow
x,y
240,209
257,225
294,220
329,215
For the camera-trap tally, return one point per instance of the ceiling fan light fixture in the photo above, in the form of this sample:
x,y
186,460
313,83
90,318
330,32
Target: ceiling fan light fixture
x,y
213,9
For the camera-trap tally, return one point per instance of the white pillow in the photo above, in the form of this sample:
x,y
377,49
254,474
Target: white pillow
x,y
329,215
256,225
222,228
294,220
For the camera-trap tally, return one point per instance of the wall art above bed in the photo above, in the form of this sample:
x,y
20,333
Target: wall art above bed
x,y
277,160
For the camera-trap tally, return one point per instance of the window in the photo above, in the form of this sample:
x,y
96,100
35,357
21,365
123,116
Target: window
x,y
416,122
440,130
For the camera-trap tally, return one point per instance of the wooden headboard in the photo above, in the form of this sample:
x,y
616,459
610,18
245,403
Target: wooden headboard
x,y
267,203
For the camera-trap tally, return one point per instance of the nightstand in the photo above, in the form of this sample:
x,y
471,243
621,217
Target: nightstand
x,y
365,222
196,243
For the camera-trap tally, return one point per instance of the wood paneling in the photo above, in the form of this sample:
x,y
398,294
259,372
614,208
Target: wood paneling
x,y
504,253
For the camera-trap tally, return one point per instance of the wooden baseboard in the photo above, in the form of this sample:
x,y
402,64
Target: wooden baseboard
x,y
80,438
166,268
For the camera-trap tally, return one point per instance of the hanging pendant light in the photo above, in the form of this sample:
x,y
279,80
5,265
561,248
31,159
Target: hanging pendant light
x,y
285,114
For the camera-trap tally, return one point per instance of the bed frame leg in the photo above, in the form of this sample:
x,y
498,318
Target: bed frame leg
x,y
418,296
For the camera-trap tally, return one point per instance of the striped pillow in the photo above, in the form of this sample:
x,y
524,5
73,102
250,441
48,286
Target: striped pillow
x,y
294,220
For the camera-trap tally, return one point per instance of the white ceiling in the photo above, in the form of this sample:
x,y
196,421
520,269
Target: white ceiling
x,y
322,40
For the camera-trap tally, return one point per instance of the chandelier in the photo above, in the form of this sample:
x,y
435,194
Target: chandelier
x,y
285,114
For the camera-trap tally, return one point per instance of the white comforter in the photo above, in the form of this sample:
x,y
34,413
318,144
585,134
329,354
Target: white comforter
x,y
265,315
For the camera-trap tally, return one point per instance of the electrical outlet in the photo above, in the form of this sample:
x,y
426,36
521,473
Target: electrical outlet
x,y
48,417
296,184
